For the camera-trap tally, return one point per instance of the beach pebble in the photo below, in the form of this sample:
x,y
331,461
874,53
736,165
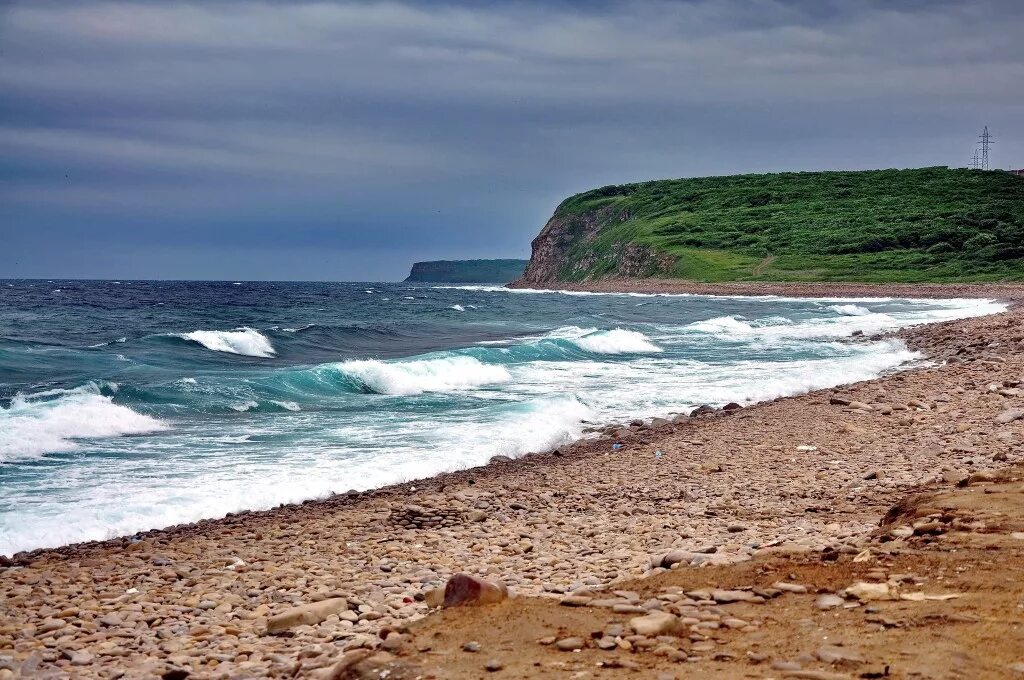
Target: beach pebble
x,y
828,601
656,623
570,644
307,614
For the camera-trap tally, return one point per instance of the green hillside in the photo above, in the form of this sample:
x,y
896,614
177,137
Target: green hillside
x,y
928,224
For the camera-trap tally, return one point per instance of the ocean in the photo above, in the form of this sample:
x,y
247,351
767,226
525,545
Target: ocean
x,y
133,405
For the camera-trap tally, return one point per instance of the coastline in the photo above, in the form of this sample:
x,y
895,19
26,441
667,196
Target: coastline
x,y
735,482
815,289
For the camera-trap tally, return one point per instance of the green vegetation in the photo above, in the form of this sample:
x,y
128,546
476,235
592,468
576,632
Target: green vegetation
x,y
467,271
928,224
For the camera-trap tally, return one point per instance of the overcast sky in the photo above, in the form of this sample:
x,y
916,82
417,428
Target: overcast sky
x,y
344,140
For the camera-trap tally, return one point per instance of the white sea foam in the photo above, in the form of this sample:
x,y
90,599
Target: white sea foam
x,y
850,310
536,425
458,308
851,318
654,386
288,405
615,341
245,406
37,424
246,341
425,375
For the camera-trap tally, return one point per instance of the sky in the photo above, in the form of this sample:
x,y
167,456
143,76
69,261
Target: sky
x,y
292,140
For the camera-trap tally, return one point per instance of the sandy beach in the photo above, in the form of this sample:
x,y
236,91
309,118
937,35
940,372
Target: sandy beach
x,y
796,478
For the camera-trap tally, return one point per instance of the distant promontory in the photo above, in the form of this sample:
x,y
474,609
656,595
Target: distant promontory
x,y
467,271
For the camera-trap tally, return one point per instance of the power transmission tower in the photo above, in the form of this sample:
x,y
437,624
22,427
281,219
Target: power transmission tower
x,y
975,161
986,142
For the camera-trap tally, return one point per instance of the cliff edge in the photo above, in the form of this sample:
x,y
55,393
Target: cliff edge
x,y
878,226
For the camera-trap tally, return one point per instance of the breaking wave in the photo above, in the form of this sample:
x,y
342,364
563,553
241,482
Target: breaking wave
x,y
53,421
426,375
615,341
245,341
850,310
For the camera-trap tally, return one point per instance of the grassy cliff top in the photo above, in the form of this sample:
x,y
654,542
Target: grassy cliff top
x,y
927,224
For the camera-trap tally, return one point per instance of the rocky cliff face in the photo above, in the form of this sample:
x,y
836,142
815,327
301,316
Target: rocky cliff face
x,y
565,250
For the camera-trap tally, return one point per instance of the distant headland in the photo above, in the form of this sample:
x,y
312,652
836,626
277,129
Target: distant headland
x,y
467,271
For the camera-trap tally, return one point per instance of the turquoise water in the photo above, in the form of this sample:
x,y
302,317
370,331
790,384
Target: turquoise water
x,y
127,406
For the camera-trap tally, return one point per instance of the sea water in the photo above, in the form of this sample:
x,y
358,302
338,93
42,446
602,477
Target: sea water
x,y
130,405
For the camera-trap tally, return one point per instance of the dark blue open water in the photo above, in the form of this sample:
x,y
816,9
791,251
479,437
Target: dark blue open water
x,y
132,405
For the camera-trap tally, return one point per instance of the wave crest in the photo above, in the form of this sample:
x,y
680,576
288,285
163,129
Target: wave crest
x,y
245,341
850,310
37,424
615,341
426,375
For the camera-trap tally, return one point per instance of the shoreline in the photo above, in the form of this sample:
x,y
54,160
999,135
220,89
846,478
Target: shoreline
x,y
1012,294
815,289
733,481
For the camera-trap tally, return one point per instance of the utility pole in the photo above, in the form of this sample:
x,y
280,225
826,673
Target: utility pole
x,y
986,142
975,161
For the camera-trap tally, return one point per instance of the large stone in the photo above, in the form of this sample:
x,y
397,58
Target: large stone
x,y
868,592
833,654
726,596
656,623
1010,415
305,615
828,601
674,557
570,644
463,590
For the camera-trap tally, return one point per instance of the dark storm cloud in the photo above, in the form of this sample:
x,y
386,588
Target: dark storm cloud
x,y
237,139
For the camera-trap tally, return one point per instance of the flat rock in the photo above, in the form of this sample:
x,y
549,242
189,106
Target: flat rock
x,y
867,592
726,596
656,623
1010,415
570,644
305,615
833,654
